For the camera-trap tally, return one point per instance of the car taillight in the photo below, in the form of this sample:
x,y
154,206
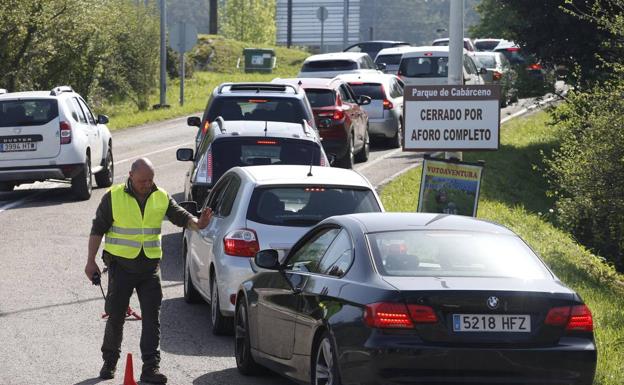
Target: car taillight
x,y
65,132
204,174
535,67
241,243
497,75
338,115
397,315
322,163
387,105
575,318
422,314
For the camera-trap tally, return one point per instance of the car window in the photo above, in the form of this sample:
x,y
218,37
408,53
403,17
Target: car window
x,y
79,110
229,196
415,253
338,257
87,111
303,206
486,45
397,87
368,62
487,61
373,90
276,109
345,94
424,67
216,195
321,97
308,256
394,59
329,65
27,112
469,65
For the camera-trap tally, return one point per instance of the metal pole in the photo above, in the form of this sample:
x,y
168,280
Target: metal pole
x,y
322,36
456,52
163,54
289,24
345,24
182,66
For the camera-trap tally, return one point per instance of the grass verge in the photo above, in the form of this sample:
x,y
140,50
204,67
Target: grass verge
x,y
513,194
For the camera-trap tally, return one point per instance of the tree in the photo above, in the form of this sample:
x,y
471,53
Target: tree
x,y
250,21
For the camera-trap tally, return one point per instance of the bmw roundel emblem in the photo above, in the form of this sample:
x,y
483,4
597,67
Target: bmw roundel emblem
x,y
493,302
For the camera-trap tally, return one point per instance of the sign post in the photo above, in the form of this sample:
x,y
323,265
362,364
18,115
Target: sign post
x,y
322,13
182,37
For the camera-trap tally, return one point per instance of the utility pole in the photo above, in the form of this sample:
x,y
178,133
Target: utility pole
x,y
345,24
289,23
214,15
163,54
456,52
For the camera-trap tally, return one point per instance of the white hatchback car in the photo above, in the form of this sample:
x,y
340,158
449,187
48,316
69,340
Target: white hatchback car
x,y
262,207
53,135
428,65
329,65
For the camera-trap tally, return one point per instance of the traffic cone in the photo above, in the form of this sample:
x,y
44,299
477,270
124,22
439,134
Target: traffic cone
x,y
129,375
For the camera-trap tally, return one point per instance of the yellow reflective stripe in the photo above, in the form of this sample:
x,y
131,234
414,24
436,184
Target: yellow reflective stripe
x,y
134,231
151,244
123,242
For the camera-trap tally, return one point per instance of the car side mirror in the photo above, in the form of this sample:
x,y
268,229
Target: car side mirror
x,y
194,121
102,119
267,259
381,66
184,154
190,206
483,71
364,100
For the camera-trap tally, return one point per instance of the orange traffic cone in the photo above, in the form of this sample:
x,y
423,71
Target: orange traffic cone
x,y
129,375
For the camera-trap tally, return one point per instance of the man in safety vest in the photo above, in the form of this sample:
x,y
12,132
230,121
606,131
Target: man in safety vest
x,y
131,215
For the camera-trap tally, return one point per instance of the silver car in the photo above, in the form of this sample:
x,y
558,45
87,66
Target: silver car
x,y
262,207
385,112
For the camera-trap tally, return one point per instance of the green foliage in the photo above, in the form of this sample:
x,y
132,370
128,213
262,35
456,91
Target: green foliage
x,y
250,20
514,195
587,172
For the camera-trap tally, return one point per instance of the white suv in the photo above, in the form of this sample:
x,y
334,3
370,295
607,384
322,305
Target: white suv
x,y
53,135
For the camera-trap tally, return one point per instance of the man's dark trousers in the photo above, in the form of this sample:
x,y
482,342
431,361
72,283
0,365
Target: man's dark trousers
x,y
121,284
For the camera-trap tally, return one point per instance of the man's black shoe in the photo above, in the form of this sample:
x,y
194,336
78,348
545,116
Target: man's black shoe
x,y
153,375
108,370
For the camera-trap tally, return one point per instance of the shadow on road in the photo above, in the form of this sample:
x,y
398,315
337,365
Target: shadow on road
x,y
231,376
90,381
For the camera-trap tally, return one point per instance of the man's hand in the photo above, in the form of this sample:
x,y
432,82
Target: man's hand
x,y
91,269
204,218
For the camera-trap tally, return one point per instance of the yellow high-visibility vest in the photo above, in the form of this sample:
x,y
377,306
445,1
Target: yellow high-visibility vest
x,y
132,231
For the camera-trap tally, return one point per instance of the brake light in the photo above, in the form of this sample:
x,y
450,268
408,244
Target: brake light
x,y
387,315
65,132
314,189
535,66
497,75
422,314
266,142
338,115
387,105
581,319
513,49
241,243
428,54
575,318
258,100
205,127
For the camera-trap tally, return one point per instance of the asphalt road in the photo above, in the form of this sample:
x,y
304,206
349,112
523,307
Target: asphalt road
x,y
50,325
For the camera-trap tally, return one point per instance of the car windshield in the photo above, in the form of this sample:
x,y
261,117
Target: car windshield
x,y
488,61
29,112
424,67
304,206
486,45
388,59
329,65
419,253
253,151
320,97
513,55
372,90
275,109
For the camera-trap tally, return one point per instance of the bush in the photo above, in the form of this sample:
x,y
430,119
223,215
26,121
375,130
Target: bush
x,y
586,173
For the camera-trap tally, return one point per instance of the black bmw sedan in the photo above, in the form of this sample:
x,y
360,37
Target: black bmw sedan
x,y
405,298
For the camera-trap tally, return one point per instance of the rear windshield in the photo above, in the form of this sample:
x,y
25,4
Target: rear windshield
x,y
329,65
288,110
389,59
424,67
513,55
254,151
307,205
488,61
415,253
373,90
320,97
31,112
487,45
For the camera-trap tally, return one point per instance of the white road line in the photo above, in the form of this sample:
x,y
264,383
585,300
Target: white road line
x,y
151,153
373,162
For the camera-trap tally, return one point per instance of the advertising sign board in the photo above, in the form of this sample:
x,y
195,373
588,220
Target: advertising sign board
x,y
449,187
451,118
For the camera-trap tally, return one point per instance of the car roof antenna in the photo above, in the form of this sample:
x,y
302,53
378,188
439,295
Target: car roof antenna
x,y
311,163
265,128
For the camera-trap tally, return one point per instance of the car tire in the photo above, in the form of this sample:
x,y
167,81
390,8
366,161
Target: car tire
x,y
7,186
221,325
242,343
105,177
191,295
395,141
364,153
82,184
348,159
325,364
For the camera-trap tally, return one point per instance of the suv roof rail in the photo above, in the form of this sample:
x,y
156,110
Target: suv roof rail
x,y
3,91
221,122
60,89
305,126
257,87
